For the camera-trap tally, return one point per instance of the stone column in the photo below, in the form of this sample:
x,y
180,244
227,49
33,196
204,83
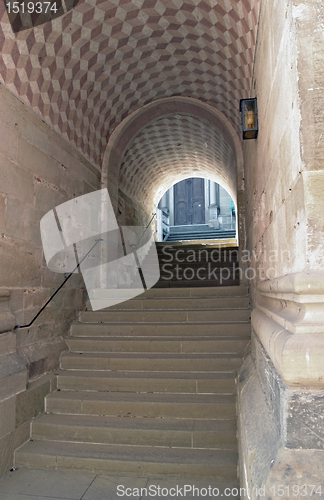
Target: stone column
x,y
281,384
212,193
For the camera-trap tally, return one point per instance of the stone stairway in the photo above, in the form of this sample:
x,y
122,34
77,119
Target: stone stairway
x,y
148,388
194,265
198,232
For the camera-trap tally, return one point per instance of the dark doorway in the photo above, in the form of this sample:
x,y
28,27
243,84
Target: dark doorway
x,y
189,202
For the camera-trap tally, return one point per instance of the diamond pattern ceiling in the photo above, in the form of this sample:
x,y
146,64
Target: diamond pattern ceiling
x,y
173,148
84,72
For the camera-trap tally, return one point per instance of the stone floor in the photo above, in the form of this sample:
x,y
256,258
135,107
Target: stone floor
x,y
32,484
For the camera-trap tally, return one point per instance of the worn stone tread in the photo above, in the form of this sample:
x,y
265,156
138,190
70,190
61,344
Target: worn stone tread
x,y
188,303
156,355
143,397
148,388
153,344
127,453
237,329
202,292
145,374
173,339
194,424
166,316
167,432
133,460
140,404
184,382
165,362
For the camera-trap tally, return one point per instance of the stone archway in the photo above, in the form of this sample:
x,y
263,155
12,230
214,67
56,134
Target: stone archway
x,y
167,141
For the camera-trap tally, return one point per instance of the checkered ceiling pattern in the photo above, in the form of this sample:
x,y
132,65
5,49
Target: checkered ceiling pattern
x,y
84,72
172,148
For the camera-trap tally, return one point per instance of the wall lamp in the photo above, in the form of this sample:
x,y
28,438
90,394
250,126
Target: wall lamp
x,y
249,115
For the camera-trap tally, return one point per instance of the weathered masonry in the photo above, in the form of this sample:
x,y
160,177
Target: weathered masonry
x,y
136,96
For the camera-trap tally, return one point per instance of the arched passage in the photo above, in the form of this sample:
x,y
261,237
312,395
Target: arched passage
x,y
172,148
165,142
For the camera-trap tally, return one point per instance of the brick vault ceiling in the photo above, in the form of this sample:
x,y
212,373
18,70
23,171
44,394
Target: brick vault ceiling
x,y
84,72
173,148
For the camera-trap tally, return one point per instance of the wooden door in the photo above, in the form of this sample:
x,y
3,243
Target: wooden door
x,y
189,202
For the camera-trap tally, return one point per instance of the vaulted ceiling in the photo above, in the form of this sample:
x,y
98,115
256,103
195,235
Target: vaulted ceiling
x,y
171,147
84,72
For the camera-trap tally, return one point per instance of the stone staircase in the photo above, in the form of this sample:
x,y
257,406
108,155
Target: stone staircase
x,y
198,232
148,388
194,265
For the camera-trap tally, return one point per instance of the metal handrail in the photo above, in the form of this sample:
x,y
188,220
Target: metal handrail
x,y
135,246
66,279
59,288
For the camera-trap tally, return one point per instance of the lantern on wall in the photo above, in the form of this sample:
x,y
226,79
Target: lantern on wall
x,y
249,115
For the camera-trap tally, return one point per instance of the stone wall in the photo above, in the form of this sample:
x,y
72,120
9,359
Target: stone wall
x,y
284,172
20,400
309,22
38,171
275,212
130,213
285,185
281,432
281,386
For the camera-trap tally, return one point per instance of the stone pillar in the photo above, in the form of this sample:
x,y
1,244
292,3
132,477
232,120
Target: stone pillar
x,y
212,193
212,211
165,200
281,385
171,206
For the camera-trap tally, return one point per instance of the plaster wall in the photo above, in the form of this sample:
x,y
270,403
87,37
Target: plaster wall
x,y
38,171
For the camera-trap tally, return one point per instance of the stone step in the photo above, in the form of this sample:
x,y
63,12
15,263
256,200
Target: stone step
x,y
184,262
161,244
150,361
152,293
183,254
203,273
197,228
110,296
148,387
192,303
195,236
196,249
199,316
119,404
239,329
186,382
155,344
201,235
167,432
129,460
184,283
230,291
